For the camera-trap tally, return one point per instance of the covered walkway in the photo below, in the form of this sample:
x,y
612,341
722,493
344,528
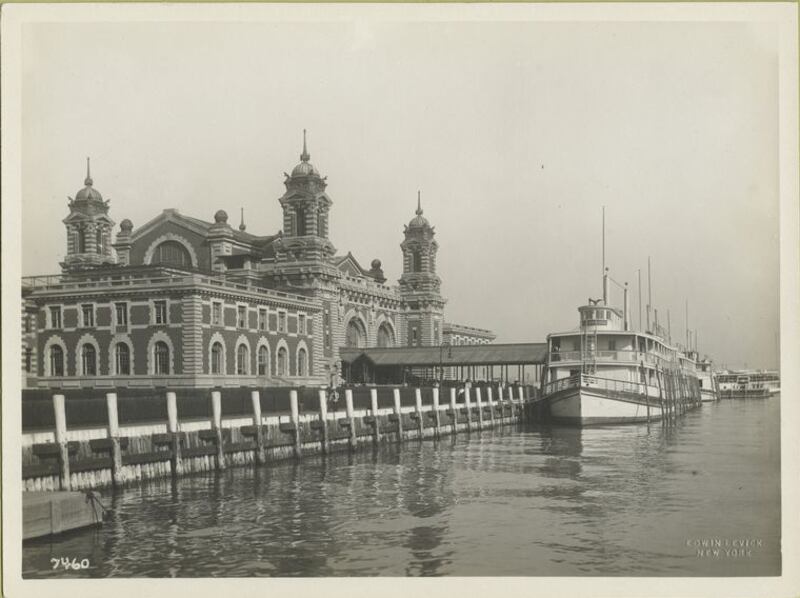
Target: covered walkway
x,y
517,362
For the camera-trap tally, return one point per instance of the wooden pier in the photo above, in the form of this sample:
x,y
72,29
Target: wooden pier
x,y
49,513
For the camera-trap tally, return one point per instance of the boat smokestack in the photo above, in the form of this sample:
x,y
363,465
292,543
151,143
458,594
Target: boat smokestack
x,y
625,314
605,287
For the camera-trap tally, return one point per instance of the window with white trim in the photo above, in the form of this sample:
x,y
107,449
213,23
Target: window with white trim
x,y
301,323
262,319
160,312
216,313
121,313
55,316
87,311
281,321
241,316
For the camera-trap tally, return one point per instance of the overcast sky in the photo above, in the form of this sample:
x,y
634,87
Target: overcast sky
x,y
516,134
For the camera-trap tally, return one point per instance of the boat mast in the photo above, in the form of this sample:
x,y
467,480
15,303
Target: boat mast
x,y
649,297
639,276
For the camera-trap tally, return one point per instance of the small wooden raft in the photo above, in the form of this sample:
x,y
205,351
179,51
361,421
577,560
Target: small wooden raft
x,y
48,513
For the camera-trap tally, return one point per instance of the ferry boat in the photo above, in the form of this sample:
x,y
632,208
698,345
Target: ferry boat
x,y
748,384
606,373
706,379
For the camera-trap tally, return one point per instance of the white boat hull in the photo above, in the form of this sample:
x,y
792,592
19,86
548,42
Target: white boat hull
x,y
708,396
585,407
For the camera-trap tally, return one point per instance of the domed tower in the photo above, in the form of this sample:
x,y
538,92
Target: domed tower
x,y
88,229
420,286
306,208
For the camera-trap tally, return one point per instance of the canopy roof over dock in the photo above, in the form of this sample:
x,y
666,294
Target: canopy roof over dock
x,y
449,355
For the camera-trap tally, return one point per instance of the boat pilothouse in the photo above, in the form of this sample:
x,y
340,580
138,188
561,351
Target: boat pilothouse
x,y
605,372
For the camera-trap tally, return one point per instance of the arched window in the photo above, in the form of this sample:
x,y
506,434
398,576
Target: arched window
x,y
283,358
56,361
302,362
321,223
122,359
263,361
242,359
300,221
172,253
356,336
217,365
88,360
99,241
81,240
161,358
385,336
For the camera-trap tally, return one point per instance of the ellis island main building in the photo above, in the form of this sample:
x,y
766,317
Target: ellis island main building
x,y
183,302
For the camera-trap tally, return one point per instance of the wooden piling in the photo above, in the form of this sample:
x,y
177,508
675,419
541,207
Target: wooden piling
x,y
117,475
453,409
323,417
479,402
398,414
490,400
418,410
61,440
294,415
376,428
176,462
216,425
260,453
348,404
468,407
436,423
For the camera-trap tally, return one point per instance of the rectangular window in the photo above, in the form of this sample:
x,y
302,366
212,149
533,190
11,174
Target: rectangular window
x,y
241,316
282,321
160,308
55,317
301,324
262,319
88,315
612,345
216,313
27,323
121,311
29,359
413,337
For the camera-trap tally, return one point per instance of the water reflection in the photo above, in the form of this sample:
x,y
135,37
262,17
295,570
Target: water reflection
x,y
514,501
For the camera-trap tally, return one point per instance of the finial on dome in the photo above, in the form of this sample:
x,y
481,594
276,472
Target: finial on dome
x,y
88,182
305,156
419,204
242,225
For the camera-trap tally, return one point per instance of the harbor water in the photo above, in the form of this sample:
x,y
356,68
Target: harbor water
x,y
700,497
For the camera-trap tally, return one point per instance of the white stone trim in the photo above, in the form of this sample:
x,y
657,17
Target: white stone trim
x,y
218,338
112,354
148,255
87,339
301,345
52,341
160,335
263,342
242,340
282,344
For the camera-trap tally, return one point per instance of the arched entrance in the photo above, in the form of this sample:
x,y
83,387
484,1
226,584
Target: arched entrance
x,y
355,334
385,335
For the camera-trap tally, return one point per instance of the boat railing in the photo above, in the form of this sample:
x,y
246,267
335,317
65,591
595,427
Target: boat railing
x,y
622,355
588,381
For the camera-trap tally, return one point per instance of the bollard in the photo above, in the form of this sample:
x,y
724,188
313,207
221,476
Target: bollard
x,y
436,413
469,408
295,417
348,404
61,440
479,402
323,416
490,400
453,409
260,454
176,462
373,398
117,477
398,414
418,409
216,425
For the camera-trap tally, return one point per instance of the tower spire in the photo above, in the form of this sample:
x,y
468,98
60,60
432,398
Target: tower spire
x,y
88,180
419,203
305,156
242,225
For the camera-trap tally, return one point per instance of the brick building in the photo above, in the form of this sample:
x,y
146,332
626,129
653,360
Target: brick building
x,y
181,301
